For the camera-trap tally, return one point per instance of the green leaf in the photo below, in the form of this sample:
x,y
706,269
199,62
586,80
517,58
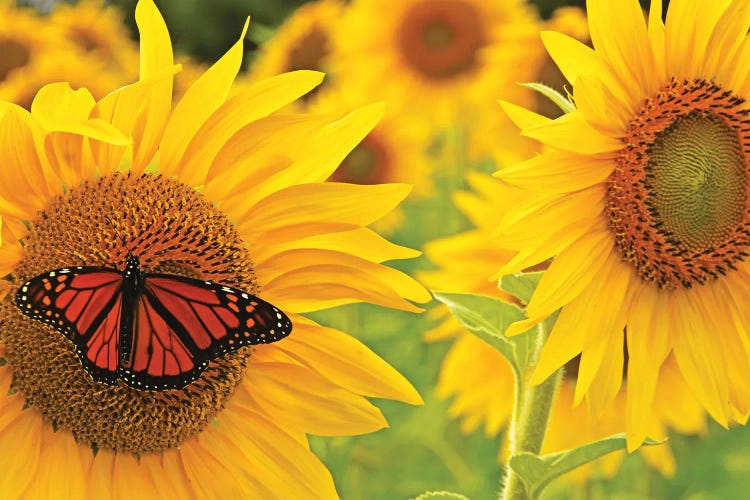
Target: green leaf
x,y
521,285
553,95
537,471
488,318
260,33
440,495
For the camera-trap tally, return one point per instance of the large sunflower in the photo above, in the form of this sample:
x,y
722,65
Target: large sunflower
x,y
643,199
443,59
481,381
214,189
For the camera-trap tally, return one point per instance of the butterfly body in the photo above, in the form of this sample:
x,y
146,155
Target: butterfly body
x,y
150,331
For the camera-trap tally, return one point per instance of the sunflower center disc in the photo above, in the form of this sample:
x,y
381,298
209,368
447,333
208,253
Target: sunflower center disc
x,y
14,55
441,38
174,230
366,164
678,199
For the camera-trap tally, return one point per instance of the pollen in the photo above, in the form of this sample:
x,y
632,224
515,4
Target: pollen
x,y
678,199
172,229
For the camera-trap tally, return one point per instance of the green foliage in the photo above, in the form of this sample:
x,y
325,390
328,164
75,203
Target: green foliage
x,y
521,285
488,318
537,471
440,495
553,95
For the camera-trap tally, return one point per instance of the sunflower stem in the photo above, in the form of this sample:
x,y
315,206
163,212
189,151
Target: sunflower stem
x,y
531,412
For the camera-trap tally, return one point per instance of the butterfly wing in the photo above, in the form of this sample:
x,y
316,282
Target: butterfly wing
x,y
84,304
183,323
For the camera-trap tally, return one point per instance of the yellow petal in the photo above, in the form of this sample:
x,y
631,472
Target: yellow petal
x,y
156,56
315,163
257,152
63,474
23,187
570,273
629,52
557,172
600,108
699,357
308,280
20,430
300,398
656,36
726,39
648,347
522,117
348,363
566,131
257,101
209,473
360,242
288,468
203,97
322,202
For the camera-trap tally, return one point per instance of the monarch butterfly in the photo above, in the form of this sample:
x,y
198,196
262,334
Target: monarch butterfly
x,y
152,331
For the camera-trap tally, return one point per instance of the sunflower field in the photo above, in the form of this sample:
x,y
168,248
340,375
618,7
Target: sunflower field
x,y
371,249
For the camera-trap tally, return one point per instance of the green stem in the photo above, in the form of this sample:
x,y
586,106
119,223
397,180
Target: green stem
x,y
531,411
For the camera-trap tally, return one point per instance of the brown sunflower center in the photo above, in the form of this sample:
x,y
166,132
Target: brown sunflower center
x,y
678,198
86,40
310,51
368,163
441,38
13,55
172,229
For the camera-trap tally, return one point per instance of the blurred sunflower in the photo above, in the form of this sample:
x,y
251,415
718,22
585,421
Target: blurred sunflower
x,y
642,197
23,38
130,165
441,60
393,151
98,29
495,136
481,381
76,68
303,41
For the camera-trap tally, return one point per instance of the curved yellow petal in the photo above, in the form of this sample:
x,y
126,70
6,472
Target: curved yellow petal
x,y
361,242
348,362
570,273
257,101
63,474
522,117
19,430
156,56
209,473
322,202
648,347
204,97
301,399
557,172
565,132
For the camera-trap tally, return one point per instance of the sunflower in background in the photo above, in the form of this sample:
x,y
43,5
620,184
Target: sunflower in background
x,y
439,60
97,180
84,44
303,41
393,151
495,136
98,29
646,183
481,382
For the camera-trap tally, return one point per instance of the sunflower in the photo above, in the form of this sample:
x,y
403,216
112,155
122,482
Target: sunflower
x,y
303,41
72,66
444,59
23,37
479,379
393,151
642,197
97,29
263,220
